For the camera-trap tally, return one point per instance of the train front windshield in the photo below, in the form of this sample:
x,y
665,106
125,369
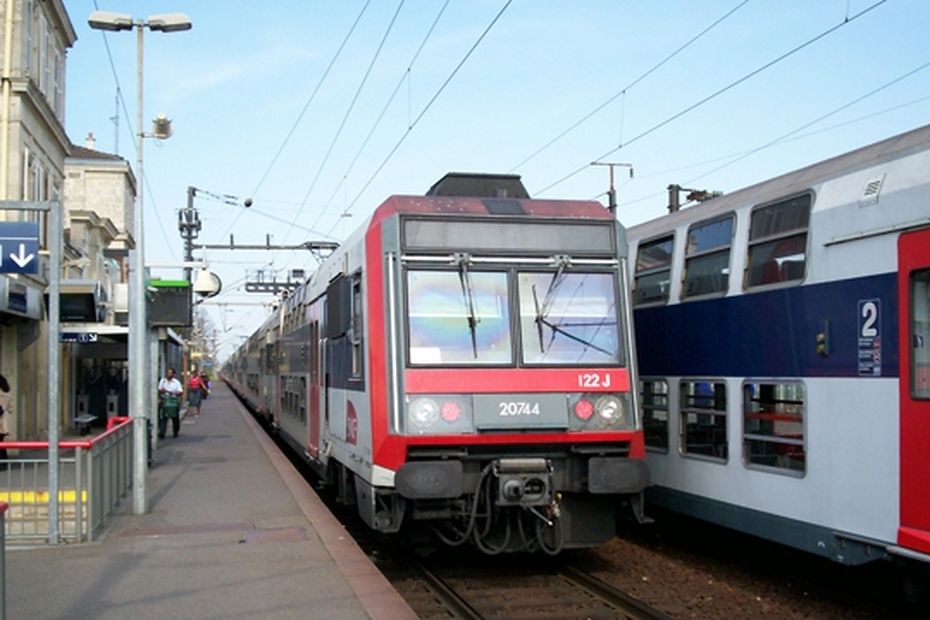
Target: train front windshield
x,y
463,317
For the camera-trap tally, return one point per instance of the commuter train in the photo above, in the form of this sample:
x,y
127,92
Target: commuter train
x,y
783,338
463,364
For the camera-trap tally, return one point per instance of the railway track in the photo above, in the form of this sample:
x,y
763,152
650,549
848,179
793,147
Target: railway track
x,y
483,588
567,592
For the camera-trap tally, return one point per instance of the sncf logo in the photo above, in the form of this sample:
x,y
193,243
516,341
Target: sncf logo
x,y
351,425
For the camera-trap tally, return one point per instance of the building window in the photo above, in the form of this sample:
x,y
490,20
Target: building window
x,y
357,325
707,258
778,242
704,419
43,68
653,271
773,425
654,399
920,334
58,94
27,29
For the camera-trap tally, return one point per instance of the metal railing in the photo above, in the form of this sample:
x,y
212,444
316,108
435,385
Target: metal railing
x,y
94,476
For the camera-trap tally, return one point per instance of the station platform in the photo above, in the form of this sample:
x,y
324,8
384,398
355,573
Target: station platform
x,y
232,531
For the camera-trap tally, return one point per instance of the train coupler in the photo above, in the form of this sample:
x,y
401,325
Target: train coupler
x,y
523,482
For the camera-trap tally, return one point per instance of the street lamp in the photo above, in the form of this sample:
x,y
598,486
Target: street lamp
x,y
138,324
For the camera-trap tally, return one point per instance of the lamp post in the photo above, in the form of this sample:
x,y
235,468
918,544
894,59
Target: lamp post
x,y
138,324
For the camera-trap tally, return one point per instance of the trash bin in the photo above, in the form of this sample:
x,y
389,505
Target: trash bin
x,y
170,409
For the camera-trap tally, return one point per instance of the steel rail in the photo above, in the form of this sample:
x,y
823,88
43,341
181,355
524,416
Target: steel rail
x,y
449,597
633,608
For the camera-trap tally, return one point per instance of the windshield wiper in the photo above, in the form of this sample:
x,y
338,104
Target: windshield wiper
x,y
542,311
469,295
558,329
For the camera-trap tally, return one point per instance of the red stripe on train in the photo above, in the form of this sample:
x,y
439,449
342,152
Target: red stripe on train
x,y
515,380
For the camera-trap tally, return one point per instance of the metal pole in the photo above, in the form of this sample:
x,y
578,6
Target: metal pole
x,y
54,365
188,231
612,191
138,329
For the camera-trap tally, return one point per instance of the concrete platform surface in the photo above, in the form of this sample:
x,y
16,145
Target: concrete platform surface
x,y
232,532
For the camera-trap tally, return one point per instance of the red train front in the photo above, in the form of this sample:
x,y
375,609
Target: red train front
x,y
463,366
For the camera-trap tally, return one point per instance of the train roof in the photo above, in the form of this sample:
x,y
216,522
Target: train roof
x,y
477,205
803,179
479,184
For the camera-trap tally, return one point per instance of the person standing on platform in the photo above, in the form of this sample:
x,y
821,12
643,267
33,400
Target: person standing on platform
x,y
169,403
205,380
6,415
194,394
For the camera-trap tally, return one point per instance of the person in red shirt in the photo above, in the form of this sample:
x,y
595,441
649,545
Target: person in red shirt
x,y
194,395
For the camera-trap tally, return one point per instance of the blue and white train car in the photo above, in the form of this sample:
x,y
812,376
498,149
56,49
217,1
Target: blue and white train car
x,y
783,337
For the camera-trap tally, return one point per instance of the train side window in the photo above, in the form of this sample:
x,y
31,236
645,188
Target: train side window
x,y
704,419
356,327
653,271
773,426
778,242
920,334
654,399
707,257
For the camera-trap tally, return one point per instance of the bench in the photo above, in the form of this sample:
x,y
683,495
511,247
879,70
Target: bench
x,y
83,422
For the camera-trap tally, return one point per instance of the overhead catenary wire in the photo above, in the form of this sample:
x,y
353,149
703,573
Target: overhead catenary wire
x,y
313,95
303,111
793,134
423,112
823,117
714,160
348,113
405,77
625,89
848,20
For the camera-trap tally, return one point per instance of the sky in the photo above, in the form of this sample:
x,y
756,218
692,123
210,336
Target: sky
x,y
317,111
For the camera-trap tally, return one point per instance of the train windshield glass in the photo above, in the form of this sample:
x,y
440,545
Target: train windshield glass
x,y
569,318
458,317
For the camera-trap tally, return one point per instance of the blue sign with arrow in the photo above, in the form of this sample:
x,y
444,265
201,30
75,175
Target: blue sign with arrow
x,y
19,247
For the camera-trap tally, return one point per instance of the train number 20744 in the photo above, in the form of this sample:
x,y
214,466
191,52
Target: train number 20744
x,y
594,380
517,408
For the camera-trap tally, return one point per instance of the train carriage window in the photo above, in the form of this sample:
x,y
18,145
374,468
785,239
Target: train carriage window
x,y
704,419
568,318
773,426
920,334
653,271
778,242
707,257
458,317
356,328
654,399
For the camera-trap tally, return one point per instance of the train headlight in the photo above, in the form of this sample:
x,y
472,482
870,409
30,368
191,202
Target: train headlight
x,y
423,412
609,408
439,414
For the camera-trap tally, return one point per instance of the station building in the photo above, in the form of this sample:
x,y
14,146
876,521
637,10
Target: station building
x,y
33,148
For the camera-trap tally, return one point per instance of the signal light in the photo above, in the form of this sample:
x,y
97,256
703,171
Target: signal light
x,y
584,409
451,411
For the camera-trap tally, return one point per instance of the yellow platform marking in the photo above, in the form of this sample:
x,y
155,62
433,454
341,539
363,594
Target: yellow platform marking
x,y
15,498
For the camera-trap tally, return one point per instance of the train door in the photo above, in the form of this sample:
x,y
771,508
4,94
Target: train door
x,y
914,325
313,441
